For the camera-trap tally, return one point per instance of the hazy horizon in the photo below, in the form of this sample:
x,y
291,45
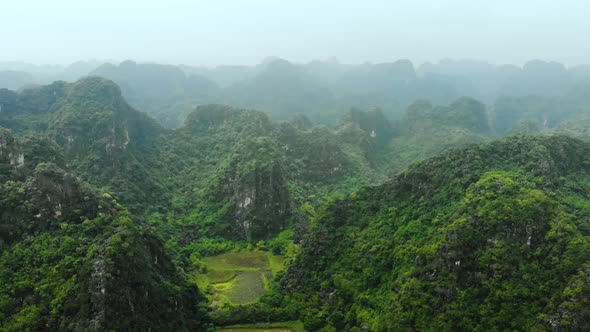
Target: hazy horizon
x,y
243,33
262,60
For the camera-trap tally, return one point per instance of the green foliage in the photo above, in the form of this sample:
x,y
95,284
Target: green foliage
x,y
428,130
74,259
280,244
577,126
226,172
99,274
485,237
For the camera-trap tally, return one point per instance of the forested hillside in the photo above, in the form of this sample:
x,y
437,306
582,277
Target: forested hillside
x,y
73,258
222,157
325,89
110,221
293,166
486,237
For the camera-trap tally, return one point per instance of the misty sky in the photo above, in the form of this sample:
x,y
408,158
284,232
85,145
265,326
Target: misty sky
x,y
209,32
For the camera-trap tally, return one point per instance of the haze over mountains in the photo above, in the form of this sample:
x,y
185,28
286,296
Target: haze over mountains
x,y
413,165
320,89
328,197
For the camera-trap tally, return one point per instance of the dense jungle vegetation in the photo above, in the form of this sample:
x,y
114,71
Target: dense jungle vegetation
x,y
337,198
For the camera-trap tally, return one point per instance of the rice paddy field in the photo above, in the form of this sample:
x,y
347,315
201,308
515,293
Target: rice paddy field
x,y
239,277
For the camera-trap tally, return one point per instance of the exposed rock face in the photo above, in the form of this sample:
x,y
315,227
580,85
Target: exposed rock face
x,y
97,290
250,192
247,196
107,272
262,202
372,122
86,127
56,193
12,158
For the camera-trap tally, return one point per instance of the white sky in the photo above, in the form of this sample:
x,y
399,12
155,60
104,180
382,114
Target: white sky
x,y
210,32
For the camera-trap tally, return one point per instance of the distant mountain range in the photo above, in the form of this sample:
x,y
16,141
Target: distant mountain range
x,y
320,89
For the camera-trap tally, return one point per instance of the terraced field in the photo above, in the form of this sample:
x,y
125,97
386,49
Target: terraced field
x,y
248,260
239,277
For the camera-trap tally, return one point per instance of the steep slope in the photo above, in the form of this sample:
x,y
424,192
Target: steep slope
x,y
243,177
73,259
12,159
207,169
108,142
101,137
231,174
165,92
491,222
488,237
427,130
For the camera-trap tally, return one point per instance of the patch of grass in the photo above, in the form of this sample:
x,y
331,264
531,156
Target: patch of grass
x,y
218,277
247,287
238,261
276,262
201,280
266,279
239,277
